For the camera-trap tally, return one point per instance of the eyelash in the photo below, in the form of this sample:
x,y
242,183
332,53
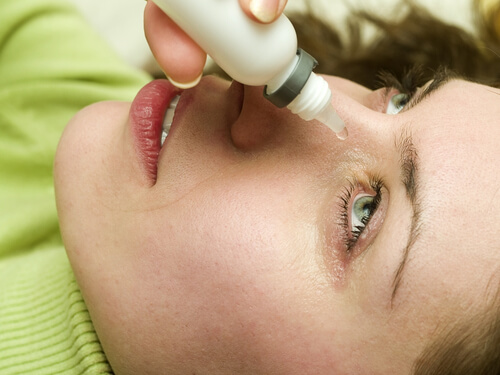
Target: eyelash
x,y
413,79
408,84
350,236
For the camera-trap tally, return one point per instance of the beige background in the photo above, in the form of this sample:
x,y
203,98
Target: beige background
x,y
121,21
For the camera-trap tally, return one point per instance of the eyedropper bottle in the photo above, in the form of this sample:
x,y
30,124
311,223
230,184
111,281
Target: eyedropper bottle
x,y
258,55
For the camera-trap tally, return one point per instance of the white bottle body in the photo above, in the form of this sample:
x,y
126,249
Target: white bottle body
x,y
249,52
252,53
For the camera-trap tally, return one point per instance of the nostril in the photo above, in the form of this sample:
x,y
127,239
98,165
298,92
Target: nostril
x,y
249,133
259,122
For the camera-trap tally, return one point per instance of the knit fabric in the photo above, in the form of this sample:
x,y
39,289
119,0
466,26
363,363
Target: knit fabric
x,y
51,65
45,326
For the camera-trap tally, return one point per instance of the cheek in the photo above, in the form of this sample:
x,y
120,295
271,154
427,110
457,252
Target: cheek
x,y
87,172
85,156
77,172
229,274
217,243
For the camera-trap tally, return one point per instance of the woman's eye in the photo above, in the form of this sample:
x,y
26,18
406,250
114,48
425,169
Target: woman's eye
x,y
358,206
363,208
397,103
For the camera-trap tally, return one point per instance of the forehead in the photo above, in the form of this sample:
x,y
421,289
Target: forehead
x,y
456,134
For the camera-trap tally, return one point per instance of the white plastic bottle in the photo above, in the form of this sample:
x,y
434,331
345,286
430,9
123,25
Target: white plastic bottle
x,y
256,54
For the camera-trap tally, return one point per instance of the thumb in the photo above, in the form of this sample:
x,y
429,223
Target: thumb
x,y
178,55
264,11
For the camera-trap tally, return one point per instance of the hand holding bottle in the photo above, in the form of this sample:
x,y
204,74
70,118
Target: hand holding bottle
x,y
179,56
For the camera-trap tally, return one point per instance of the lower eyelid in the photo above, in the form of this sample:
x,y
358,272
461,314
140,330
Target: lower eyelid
x,y
337,259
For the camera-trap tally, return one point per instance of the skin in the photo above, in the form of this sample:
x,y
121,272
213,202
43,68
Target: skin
x,y
233,260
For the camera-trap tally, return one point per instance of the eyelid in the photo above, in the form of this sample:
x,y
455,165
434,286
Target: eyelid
x,y
338,259
424,91
418,96
409,84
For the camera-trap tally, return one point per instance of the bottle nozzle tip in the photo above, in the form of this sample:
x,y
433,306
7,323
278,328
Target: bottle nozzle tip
x,y
331,119
343,134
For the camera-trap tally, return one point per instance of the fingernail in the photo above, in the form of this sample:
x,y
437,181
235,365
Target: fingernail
x,y
185,85
264,10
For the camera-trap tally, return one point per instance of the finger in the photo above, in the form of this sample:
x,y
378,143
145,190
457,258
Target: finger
x,y
179,56
264,11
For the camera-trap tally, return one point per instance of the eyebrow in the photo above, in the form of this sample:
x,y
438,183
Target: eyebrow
x,y
409,177
409,173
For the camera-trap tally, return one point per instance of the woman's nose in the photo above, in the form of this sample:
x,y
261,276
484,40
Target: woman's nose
x,y
263,125
260,122
343,88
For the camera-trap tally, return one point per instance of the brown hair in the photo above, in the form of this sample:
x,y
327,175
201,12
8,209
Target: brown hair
x,y
470,347
418,39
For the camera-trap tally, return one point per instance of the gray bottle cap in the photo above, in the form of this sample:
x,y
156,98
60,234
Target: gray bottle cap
x,y
292,87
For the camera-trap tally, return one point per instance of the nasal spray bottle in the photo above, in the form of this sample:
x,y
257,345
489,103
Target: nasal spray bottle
x,y
258,55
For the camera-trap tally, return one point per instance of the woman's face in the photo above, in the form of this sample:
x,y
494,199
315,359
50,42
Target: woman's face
x,y
257,243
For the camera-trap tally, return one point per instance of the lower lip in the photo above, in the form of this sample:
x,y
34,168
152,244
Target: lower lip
x,y
146,118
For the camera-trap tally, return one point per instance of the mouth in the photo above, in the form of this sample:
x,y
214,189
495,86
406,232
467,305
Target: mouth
x,y
152,122
168,119
151,116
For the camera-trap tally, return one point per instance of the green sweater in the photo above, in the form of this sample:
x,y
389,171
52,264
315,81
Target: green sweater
x,y
51,65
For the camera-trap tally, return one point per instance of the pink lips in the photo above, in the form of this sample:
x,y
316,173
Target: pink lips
x,y
146,118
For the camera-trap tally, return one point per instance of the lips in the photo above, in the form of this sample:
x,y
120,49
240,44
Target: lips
x,y
146,118
149,109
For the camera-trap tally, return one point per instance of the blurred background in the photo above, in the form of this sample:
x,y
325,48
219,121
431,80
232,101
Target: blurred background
x,y
120,22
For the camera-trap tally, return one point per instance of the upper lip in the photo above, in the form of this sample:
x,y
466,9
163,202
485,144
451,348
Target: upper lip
x,y
148,110
146,117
